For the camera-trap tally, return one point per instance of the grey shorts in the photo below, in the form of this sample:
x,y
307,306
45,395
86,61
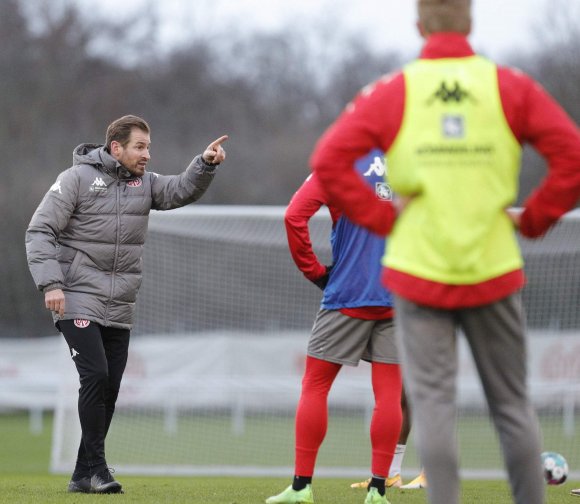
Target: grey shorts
x,y
346,340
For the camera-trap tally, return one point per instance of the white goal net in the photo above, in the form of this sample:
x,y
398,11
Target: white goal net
x,y
218,349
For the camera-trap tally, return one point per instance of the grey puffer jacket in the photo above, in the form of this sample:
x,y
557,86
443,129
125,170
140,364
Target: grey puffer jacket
x,y
87,235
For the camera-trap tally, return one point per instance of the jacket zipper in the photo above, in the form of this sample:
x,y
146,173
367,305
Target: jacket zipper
x,y
117,241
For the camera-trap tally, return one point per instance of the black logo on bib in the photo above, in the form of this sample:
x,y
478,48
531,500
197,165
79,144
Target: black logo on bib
x,y
448,94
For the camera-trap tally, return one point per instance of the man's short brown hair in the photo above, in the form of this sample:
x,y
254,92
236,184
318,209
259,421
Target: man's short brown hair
x,y
437,16
120,129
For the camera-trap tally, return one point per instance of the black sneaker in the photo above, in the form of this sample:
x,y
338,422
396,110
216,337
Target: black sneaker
x,y
104,483
80,485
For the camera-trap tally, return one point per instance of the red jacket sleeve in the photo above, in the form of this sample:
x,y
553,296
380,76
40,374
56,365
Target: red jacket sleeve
x,y
537,119
303,205
371,121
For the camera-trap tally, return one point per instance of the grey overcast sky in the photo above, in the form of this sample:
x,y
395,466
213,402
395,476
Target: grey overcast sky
x,y
499,25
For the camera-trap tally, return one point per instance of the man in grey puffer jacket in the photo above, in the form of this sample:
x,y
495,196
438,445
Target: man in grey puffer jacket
x,y
84,246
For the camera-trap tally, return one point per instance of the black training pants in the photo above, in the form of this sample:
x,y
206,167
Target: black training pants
x,y
100,355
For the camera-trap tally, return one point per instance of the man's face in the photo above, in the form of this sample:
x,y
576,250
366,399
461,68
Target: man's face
x,y
135,155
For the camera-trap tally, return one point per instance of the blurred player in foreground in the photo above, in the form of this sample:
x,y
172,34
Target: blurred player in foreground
x,y
452,124
355,322
84,246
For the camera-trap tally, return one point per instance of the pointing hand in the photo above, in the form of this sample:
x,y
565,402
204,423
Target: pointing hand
x,y
215,153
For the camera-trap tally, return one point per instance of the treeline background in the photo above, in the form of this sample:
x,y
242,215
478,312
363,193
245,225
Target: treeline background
x,y
66,73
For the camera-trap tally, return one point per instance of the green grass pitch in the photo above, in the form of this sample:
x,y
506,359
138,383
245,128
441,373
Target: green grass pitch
x,y
24,478
196,435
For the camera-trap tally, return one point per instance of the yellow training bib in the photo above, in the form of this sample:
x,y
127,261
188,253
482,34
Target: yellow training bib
x,y
456,154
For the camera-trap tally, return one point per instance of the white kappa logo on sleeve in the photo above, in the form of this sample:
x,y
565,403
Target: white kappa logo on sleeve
x,y
56,187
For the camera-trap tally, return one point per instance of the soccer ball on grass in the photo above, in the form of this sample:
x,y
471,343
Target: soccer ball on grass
x,y
555,468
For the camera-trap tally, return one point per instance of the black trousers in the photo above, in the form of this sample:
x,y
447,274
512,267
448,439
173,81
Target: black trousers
x,y
100,356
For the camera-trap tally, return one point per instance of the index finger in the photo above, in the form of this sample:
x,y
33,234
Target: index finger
x,y
218,142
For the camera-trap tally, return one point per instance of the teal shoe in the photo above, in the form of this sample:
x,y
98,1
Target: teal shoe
x,y
374,497
290,496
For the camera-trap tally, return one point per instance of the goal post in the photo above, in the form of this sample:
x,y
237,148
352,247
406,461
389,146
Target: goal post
x,y
218,348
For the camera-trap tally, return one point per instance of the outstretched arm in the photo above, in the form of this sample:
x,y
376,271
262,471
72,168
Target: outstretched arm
x,y
174,191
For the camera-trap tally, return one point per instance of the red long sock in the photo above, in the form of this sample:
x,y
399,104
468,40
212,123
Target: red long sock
x,y
387,416
312,413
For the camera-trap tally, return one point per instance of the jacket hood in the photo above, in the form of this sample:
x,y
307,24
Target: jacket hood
x,y
96,155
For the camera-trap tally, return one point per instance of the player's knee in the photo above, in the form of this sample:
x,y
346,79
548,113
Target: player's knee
x,y
95,378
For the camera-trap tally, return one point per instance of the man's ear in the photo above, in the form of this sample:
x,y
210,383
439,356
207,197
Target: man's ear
x,y
115,149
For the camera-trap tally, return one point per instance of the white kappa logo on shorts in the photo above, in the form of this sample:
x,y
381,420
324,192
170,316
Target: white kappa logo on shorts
x,y
81,323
